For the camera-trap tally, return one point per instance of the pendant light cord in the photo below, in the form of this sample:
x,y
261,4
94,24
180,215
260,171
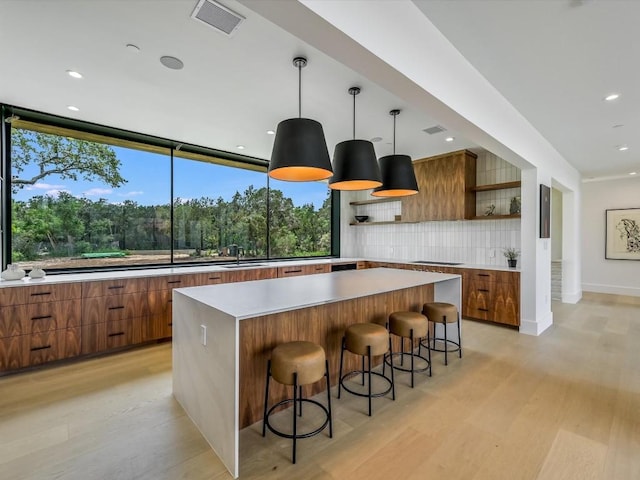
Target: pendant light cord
x,y
299,90
394,134
354,114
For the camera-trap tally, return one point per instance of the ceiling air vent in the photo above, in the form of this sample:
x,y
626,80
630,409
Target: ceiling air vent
x,y
217,16
434,130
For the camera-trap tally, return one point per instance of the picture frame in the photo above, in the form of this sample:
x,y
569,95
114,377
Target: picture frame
x,y
622,238
545,211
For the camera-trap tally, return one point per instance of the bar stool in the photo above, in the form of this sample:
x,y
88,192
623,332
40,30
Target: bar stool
x,y
410,325
368,340
443,313
297,364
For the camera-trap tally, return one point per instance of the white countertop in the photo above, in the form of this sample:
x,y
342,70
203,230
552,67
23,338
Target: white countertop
x,y
263,297
175,270
189,269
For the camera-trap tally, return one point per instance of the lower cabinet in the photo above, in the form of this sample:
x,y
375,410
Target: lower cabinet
x,y
492,295
98,337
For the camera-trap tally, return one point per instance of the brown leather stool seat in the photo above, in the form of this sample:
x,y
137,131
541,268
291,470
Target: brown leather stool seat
x,y
443,314
297,364
367,340
411,325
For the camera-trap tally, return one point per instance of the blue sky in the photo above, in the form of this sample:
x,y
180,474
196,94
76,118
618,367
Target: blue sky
x,y
148,182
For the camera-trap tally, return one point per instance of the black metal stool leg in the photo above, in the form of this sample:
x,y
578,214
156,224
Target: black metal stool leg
x,y
411,340
300,400
369,374
429,351
266,399
393,382
362,370
340,374
329,398
402,351
295,424
459,339
446,344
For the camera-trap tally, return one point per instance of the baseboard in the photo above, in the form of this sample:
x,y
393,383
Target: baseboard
x,y
532,327
611,289
572,297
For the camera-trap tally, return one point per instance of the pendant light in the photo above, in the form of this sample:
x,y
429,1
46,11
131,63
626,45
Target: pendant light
x,y
299,150
354,161
398,177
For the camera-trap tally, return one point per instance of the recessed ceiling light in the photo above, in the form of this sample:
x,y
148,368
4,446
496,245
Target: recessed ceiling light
x,y
72,108
270,132
171,62
612,96
622,148
74,74
133,48
618,125
376,139
240,147
633,173
449,139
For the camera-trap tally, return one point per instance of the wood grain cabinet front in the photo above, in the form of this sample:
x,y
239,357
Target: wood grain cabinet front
x,y
98,337
114,287
159,297
445,184
493,296
114,307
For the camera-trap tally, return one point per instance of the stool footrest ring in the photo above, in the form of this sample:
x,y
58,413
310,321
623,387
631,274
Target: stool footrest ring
x,y
408,354
298,435
364,372
432,346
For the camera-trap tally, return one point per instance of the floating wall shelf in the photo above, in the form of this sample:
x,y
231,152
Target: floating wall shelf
x,y
496,186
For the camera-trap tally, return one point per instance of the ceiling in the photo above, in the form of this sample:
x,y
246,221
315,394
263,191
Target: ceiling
x,y
554,61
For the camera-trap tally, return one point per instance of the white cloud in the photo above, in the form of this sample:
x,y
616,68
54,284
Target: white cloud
x,y
135,193
45,186
54,192
94,192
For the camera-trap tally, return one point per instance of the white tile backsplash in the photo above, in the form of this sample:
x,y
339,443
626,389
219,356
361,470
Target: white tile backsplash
x,y
468,241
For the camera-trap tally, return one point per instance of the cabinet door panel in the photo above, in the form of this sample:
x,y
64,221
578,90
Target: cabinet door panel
x,y
53,293
172,281
13,352
11,320
13,296
52,316
98,337
114,287
506,307
113,308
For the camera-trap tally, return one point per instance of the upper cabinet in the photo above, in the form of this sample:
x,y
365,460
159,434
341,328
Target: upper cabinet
x,y
446,184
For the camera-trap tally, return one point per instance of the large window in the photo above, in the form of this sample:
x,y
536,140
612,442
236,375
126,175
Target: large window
x,y
89,201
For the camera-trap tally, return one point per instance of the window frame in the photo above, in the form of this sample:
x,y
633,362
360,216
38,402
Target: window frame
x,y
56,125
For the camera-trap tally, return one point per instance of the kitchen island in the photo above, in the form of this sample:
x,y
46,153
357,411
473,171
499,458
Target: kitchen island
x,y
223,336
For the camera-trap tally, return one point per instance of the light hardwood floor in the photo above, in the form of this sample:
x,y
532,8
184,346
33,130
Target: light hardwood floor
x,y
565,405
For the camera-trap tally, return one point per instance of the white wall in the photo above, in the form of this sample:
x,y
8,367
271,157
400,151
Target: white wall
x,y
556,224
600,275
475,242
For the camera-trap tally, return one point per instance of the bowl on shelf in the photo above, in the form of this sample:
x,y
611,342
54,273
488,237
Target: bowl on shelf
x,y
362,218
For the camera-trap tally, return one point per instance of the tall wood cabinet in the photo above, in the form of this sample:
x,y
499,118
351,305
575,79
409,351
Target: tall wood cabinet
x,y
446,185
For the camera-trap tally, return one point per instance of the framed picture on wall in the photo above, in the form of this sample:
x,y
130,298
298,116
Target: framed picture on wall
x,y
622,240
545,211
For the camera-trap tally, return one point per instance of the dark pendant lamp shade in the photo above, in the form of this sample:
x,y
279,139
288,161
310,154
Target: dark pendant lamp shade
x,y
354,161
300,150
398,176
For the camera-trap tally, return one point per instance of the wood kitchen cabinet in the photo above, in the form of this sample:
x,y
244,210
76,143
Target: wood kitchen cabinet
x,y
445,185
159,300
294,271
114,313
40,325
493,296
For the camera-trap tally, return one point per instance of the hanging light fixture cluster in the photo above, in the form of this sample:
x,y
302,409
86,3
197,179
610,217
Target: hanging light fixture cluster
x,y
300,155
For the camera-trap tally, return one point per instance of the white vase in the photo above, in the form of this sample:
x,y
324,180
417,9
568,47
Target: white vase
x,y
37,272
13,272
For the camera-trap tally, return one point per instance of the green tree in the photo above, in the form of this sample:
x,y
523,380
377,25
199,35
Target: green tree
x,y
67,157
